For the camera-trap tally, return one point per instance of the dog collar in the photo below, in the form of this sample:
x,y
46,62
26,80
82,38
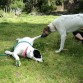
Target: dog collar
x,y
52,27
21,42
25,52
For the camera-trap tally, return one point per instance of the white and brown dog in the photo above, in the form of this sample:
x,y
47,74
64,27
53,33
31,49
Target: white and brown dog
x,y
24,48
64,24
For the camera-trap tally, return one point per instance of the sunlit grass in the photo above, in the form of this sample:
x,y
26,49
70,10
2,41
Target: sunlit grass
x,y
65,67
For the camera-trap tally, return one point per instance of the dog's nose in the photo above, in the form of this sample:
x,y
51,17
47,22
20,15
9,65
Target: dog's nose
x,y
43,35
40,61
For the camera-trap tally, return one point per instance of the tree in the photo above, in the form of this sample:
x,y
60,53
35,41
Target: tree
x,y
44,6
8,4
5,4
74,6
39,5
17,4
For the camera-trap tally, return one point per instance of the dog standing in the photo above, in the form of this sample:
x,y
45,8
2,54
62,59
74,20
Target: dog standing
x,y
24,48
64,24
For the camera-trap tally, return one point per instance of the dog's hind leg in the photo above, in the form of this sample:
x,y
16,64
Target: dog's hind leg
x,y
8,52
63,38
18,63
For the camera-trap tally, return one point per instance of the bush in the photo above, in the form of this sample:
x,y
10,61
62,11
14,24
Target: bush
x,y
1,13
17,4
28,7
46,8
40,6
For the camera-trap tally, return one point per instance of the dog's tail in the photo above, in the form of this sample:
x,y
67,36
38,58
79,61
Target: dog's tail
x,y
36,37
8,52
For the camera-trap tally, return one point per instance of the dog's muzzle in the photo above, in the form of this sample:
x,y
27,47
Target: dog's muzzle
x,y
40,61
44,35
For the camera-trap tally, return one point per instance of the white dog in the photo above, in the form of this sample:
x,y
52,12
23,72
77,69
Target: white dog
x,y
24,48
64,24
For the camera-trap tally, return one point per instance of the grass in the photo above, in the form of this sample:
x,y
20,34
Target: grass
x,y
65,67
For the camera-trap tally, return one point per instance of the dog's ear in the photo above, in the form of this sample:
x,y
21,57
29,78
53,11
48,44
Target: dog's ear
x,y
36,54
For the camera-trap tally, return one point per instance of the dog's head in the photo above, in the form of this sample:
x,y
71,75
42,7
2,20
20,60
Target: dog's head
x,y
34,54
37,56
46,31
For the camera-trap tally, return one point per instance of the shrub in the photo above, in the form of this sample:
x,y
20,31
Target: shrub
x,y
17,4
1,13
46,8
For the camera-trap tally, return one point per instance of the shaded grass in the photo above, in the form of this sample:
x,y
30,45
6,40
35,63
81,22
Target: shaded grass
x,y
65,67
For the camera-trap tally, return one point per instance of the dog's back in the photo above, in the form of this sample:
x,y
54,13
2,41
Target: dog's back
x,y
69,23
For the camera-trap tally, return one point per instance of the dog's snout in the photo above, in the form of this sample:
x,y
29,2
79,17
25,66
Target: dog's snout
x,y
40,61
43,35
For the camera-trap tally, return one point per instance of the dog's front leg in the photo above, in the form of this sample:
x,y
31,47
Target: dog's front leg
x,y
18,63
63,38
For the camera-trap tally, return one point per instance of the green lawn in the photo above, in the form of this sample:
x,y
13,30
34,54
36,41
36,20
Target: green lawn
x,y
65,67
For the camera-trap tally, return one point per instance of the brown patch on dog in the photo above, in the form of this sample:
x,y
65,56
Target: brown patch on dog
x,y
46,31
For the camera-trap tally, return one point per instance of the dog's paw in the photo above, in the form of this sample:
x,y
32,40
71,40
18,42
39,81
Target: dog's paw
x,y
57,51
7,52
18,63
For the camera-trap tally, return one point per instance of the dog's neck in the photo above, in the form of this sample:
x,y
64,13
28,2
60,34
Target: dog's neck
x,y
52,27
29,52
25,52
